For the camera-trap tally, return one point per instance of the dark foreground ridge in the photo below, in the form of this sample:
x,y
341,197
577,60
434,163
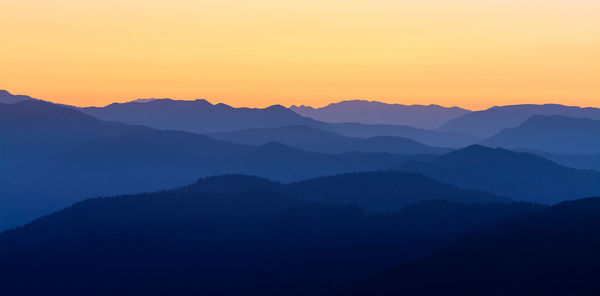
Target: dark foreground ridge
x,y
553,252
205,239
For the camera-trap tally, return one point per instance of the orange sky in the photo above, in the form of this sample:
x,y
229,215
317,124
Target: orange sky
x,y
470,53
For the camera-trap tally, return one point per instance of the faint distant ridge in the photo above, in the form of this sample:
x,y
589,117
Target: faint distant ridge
x,y
316,140
373,112
198,116
8,98
555,134
491,121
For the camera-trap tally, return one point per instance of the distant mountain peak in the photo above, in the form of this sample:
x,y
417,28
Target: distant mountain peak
x,y
7,98
375,112
485,154
277,107
275,146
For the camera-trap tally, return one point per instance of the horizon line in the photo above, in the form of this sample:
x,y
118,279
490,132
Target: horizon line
x,y
214,102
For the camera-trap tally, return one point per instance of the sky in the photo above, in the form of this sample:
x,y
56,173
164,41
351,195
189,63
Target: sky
x,y
468,53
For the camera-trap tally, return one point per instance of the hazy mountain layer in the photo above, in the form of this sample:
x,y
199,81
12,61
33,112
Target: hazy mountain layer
x,y
316,140
488,122
70,156
372,112
554,134
201,116
520,176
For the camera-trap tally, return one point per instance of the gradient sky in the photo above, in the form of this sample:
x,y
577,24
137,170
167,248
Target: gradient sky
x,y
470,53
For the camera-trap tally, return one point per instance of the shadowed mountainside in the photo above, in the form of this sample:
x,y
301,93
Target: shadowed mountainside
x,y
578,161
372,112
373,191
520,176
253,241
316,140
554,134
427,137
491,121
553,252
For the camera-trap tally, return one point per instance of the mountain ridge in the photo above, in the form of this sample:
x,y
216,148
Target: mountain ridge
x,y
554,134
316,140
374,112
517,175
552,252
488,122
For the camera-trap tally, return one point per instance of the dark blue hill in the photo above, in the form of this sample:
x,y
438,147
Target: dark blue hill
x,y
553,252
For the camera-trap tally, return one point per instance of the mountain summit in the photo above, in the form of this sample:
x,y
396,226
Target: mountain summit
x,y
8,98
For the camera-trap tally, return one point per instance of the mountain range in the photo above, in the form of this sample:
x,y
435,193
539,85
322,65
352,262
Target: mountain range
x,y
552,252
554,134
489,122
197,116
312,139
202,117
372,112
252,241
372,191
521,176
70,156
344,118
362,200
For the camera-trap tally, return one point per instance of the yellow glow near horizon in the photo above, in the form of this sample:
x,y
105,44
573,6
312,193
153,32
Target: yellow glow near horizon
x,y
469,53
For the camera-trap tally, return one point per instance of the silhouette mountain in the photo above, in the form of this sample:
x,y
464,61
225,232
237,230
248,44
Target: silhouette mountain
x,y
8,98
491,121
520,176
554,134
32,128
201,116
554,252
427,137
197,116
373,191
71,156
252,242
372,112
316,140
